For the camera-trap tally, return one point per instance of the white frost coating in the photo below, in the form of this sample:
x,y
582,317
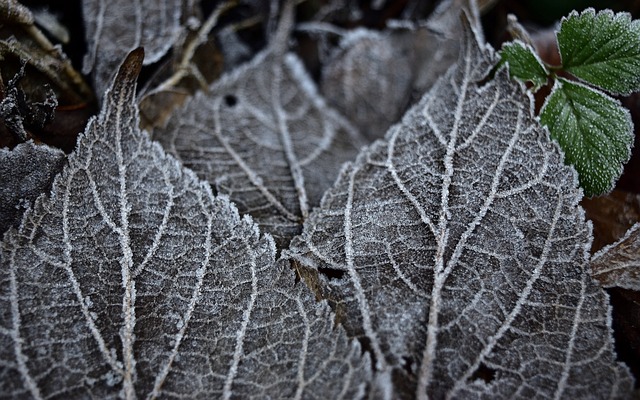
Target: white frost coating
x,y
282,124
356,35
13,334
568,364
487,302
131,278
403,24
374,76
21,182
574,113
602,48
244,166
115,27
127,335
618,264
302,360
238,353
363,302
183,323
109,357
298,71
263,136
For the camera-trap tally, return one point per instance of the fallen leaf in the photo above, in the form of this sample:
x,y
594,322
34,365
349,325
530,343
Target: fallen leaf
x,y
456,252
132,280
373,76
26,172
115,27
263,136
618,265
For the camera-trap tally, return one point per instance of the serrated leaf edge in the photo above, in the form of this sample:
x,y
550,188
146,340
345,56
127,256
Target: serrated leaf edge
x,y
619,168
535,55
591,12
609,248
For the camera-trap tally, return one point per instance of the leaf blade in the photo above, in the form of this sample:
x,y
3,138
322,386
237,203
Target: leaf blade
x,y
264,136
524,63
618,265
602,48
465,223
26,172
148,285
113,28
593,130
373,77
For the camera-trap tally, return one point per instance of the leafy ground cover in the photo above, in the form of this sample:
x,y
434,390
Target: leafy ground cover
x,y
306,201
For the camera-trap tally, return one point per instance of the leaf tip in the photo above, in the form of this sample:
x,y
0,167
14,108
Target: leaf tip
x,y
130,68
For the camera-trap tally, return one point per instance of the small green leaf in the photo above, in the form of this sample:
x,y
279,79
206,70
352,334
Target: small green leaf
x,y
524,63
602,49
594,131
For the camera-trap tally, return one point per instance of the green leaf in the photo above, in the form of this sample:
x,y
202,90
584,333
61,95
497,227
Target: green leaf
x,y
602,49
595,132
524,63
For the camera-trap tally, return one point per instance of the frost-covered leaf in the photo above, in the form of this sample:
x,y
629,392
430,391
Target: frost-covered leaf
x,y
115,27
132,280
524,63
19,112
456,251
594,131
263,136
370,80
371,77
619,264
439,40
602,48
25,172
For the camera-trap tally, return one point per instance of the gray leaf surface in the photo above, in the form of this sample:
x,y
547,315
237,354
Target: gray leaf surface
x,y
115,27
372,76
456,251
26,172
263,136
131,280
619,263
440,39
